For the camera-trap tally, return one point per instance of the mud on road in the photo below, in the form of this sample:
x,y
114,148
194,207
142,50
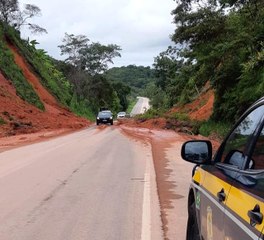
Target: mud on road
x,y
173,175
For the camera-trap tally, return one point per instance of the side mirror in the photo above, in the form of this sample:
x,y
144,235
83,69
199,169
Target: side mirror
x,y
199,152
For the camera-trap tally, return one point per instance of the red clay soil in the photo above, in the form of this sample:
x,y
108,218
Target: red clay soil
x,y
160,141
157,123
22,118
200,109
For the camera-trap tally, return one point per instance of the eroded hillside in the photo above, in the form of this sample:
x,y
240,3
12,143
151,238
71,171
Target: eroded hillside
x,y
18,116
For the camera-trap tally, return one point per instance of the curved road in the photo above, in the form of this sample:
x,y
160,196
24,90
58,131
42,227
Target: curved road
x,y
94,184
141,106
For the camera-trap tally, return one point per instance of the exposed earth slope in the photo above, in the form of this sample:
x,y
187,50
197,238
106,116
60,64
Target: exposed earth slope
x,y
18,116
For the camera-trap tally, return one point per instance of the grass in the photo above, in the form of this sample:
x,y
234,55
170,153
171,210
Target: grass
x,y
81,108
214,128
178,116
12,72
150,114
132,103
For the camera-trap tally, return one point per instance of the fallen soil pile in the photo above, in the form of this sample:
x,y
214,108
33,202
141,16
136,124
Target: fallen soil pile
x,y
19,117
199,110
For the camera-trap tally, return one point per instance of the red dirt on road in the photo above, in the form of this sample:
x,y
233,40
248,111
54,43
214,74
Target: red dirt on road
x,y
200,109
22,118
161,141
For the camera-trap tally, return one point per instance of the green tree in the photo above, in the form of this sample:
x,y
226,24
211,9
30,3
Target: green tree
x,y
92,58
100,92
122,91
218,38
96,57
72,47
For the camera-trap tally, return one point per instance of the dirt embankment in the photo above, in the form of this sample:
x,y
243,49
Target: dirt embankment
x,y
19,117
199,110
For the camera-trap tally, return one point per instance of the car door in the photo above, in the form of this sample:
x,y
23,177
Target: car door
x,y
214,190
238,158
219,178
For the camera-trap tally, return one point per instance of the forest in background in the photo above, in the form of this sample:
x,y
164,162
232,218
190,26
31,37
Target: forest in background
x,y
136,77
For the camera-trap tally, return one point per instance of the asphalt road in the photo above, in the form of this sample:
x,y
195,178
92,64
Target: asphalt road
x,y
94,184
141,106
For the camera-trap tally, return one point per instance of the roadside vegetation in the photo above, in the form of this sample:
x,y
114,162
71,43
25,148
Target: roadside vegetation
x,y
219,41
132,102
12,72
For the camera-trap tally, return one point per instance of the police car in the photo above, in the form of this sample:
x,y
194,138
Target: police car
x,y
226,197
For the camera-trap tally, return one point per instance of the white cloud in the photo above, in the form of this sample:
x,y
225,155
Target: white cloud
x,y
140,27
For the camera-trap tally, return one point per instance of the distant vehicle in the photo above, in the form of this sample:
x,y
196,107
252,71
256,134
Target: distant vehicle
x,y
121,115
104,117
226,196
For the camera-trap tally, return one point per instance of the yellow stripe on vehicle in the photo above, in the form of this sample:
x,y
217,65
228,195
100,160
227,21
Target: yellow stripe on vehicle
x,y
241,202
238,201
212,183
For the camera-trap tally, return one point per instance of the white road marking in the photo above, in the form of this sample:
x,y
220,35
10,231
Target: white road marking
x,y
146,214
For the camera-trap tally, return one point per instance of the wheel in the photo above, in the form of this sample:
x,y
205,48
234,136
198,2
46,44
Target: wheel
x,y
111,123
97,123
192,225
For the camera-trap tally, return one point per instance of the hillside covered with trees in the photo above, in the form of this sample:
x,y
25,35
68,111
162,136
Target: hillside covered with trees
x,y
136,77
220,42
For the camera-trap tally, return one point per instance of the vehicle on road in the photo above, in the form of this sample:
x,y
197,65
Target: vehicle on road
x,y
226,196
104,117
121,115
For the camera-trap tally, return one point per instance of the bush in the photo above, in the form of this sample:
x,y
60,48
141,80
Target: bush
x,y
151,113
214,128
81,108
179,116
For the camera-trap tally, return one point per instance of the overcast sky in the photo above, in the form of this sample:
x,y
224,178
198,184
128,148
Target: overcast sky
x,y
140,27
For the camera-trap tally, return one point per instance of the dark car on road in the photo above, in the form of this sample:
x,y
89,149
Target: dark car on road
x,y
226,195
104,117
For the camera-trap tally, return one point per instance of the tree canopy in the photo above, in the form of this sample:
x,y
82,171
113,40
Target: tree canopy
x,y
220,41
92,58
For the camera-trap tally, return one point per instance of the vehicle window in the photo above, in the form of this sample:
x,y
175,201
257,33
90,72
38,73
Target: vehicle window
x,y
235,146
258,154
104,114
